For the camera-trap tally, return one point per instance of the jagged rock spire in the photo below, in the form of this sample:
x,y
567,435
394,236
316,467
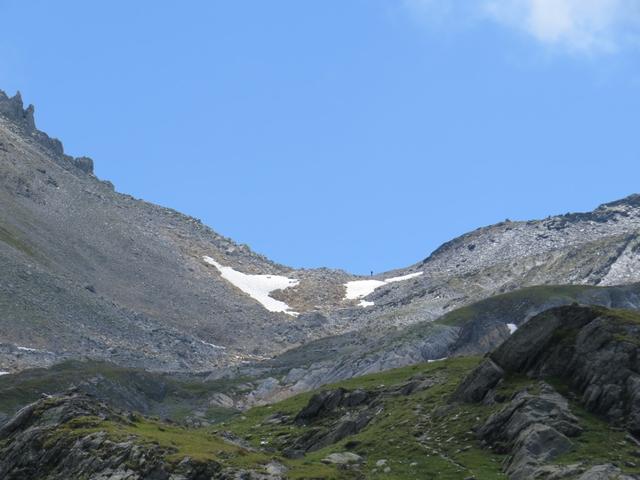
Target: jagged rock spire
x,y
13,109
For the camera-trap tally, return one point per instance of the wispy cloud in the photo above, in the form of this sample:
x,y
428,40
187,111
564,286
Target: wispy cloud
x,y
578,26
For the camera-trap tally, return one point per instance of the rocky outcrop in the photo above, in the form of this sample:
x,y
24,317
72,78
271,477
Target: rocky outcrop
x,y
85,164
13,109
56,439
325,403
476,385
534,428
594,351
605,472
333,415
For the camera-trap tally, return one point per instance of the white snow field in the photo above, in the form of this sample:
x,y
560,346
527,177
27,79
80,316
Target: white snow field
x,y
5,373
361,288
258,287
512,327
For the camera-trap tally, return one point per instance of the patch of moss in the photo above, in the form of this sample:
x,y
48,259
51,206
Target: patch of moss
x,y
622,316
521,299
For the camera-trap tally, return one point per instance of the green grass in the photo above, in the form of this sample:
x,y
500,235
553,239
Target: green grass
x,y
201,444
517,301
448,449
625,317
421,436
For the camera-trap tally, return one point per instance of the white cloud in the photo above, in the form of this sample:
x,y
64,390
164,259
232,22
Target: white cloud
x,y
578,26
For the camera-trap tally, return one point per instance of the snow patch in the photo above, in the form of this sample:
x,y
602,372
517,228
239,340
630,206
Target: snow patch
x,y
257,287
27,349
437,359
213,345
361,288
5,373
403,277
512,327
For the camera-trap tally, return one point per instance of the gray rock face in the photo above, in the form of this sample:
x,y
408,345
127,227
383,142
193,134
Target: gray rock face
x,y
85,164
534,429
605,472
336,414
475,387
12,108
595,350
326,402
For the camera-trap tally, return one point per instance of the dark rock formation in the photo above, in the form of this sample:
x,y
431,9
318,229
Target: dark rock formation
x,y
13,109
333,415
325,403
85,164
474,387
594,349
46,440
535,429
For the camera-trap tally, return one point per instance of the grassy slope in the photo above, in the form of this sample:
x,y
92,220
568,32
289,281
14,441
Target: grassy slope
x,y
518,302
165,395
419,435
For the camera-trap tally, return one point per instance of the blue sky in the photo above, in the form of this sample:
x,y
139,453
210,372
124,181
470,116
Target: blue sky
x,y
358,134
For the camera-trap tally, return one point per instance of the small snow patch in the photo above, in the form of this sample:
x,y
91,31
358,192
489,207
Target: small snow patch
x,y
258,287
361,288
27,349
437,360
512,327
5,373
403,277
213,345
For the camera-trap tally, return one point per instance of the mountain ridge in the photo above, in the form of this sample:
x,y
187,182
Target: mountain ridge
x,y
92,273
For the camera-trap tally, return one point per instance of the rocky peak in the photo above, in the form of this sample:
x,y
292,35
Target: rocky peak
x,y
13,109
630,202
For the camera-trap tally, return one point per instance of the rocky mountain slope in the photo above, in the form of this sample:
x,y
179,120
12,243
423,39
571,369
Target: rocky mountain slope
x,y
472,330
91,273
558,399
